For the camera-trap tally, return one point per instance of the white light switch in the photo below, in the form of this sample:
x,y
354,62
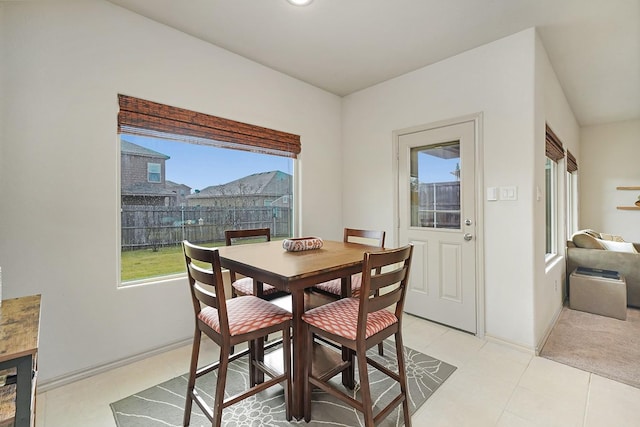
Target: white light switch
x,y
492,193
508,193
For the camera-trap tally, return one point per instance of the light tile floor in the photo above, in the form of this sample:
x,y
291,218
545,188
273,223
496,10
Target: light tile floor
x,y
494,385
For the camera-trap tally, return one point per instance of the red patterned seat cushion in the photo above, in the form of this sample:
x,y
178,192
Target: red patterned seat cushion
x,y
246,314
335,287
244,286
341,318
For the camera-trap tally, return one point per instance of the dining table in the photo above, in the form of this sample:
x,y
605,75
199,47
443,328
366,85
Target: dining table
x,y
293,272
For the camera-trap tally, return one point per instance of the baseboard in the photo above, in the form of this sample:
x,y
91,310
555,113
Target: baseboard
x,y
545,337
511,344
44,386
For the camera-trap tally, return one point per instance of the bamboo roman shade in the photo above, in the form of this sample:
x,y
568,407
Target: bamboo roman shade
x,y
553,148
572,164
141,117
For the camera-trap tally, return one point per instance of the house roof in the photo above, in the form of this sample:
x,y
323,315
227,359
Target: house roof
x,y
255,184
127,147
171,184
146,189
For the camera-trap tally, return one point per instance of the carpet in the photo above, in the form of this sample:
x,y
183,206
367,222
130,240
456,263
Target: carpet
x,y
601,345
163,404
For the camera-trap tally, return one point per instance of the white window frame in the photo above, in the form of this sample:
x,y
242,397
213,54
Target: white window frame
x,y
175,276
572,203
551,209
151,170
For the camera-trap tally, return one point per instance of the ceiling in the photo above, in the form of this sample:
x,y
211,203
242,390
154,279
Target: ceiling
x,y
343,46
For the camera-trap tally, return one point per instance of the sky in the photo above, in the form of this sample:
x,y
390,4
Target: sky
x,y
200,166
435,169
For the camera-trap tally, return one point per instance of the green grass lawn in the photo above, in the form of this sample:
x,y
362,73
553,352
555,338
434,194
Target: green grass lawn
x,y
144,263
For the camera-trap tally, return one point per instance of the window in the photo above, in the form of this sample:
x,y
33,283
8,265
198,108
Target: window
x,y
554,152
435,199
550,206
154,172
572,195
186,175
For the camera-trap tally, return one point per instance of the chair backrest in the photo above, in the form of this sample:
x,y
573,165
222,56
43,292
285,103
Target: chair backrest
x,y
385,276
203,268
252,235
364,237
233,237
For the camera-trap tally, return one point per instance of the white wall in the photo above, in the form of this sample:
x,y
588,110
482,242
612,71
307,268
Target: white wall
x,y
62,65
498,80
2,67
552,108
609,158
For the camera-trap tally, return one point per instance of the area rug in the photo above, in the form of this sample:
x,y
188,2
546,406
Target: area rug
x,y
163,404
602,345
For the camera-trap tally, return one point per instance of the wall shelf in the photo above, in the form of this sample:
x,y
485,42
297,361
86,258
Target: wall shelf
x,y
629,208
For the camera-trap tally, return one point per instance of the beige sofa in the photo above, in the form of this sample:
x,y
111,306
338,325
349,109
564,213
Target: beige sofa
x,y
588,248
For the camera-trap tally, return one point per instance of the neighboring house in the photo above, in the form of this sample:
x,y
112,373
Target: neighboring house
x,y
259,189
181,192
143,181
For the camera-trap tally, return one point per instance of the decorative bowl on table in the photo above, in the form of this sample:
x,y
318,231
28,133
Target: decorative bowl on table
x,y
302,244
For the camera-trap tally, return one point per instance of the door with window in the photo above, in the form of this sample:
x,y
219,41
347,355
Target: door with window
x,y
436,200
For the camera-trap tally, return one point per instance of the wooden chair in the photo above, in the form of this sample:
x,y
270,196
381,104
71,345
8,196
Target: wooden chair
x,y
227,323
361,323
246,285
333,288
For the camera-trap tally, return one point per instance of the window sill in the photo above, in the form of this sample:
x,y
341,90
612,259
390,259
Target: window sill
x,y
551,260
171,278
153,281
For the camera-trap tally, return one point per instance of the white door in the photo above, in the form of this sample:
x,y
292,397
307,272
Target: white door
x,y
436,201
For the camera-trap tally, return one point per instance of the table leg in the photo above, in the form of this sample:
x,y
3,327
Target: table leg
x,y
258,290
299,347
348,375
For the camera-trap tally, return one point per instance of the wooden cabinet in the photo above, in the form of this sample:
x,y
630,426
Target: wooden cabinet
x,y
19,329
629,208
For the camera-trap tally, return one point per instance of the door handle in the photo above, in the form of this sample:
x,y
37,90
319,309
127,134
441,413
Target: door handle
x,y
468,236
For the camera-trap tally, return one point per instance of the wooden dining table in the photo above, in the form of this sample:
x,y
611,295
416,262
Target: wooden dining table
x,y
294,272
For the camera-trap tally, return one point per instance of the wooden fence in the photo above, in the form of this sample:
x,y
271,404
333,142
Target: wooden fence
x,y
439,205
157,226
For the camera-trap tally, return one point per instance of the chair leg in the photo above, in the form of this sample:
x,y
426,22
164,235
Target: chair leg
x,y
233,295
259,357
365,390
348,374
381,345
220,385
308,336
252,368
403,378
286,350
195,351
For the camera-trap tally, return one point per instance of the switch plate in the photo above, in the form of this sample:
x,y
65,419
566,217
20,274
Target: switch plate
x,y
508,193
492,194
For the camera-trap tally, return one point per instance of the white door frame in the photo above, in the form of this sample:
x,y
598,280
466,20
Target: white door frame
x,y
479,201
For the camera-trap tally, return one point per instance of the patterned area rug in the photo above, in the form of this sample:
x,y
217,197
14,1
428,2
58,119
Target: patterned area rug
x,y
163,404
